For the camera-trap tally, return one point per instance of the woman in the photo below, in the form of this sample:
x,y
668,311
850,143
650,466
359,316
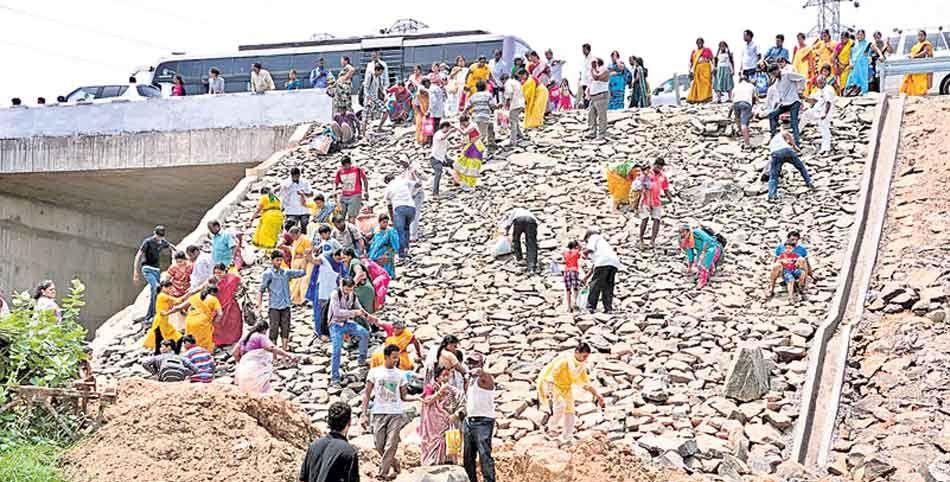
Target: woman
x,y
617,85
229,327
702,250
468,166
842,59
255,357
824,49
178,87
300,259
565,96
449,357
860,66
342,88
455,85
180,275
204,311
918,84
161,328
400,103
440,401
215,81
383,245
380,279
286,241
535,91
272,219
640,90
416,76
420,110
45,300
435,74
700,64
725,67
400,336
364,287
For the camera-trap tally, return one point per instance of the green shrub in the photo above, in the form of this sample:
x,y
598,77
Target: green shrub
x,y
30,463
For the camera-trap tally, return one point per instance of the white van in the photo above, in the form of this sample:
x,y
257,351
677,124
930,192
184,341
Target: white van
x,y
902,41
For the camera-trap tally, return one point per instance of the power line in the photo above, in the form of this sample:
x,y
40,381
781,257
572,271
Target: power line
x,y
83,27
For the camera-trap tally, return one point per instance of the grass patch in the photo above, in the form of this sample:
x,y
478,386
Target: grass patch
x,y
30,462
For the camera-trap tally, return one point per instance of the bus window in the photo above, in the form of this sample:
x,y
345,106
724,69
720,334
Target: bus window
x,y
487,49
467,50
426,55
520,49
166,71
278,63
304,63
242,65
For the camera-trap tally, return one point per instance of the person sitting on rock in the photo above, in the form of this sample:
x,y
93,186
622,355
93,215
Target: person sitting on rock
x,y
555,386
794,237
169,367
702,250
793,272
522,222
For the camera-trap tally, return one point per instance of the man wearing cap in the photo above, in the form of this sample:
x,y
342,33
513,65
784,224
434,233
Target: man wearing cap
x,y
294,193
479,419
147,260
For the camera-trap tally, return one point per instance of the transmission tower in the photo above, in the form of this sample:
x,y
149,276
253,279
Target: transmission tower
x,y
829,16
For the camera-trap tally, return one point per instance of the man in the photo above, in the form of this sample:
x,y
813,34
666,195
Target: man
x,y
522,222
16,102
597,97
348,235
222,244
402,208
324,210
606,265
276,282
557,67
354,188
792,271
556,384
654,185
374,97
803,263
261,80
371,68
344,308
582,90
215,81
499,68
437,98
786,83
782,148
388,387
479,426
480,106
515,103
320,76
778,51
200,358
751,56
332,458
822,111
294,193
169,366
147,259
202,266
743,98
328,268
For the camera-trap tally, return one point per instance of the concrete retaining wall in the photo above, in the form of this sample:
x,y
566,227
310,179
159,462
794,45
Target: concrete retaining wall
x,y
198,112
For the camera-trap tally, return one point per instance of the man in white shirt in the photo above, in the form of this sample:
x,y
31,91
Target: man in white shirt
x,y
479,419
557,67
440,147
522,223
402,208
822,111
499,68
202,266
751,55
597,90
606,265
371,67
743,98
293,194
782,151
388,387
582,97
786,83
261,80
514,102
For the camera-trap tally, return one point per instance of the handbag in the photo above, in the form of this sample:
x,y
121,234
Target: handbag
x,y
428,126
247,307
453,442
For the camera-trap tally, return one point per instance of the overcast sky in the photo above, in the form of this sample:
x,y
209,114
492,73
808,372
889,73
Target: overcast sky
x,y
50,47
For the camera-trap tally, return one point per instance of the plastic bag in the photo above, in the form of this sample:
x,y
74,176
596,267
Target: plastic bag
x,y
502,118
618,186
556,268
453,442
581,300
502,246
428,126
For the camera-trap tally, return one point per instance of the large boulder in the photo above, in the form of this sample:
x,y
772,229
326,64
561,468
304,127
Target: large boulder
x,y
748,377
438,473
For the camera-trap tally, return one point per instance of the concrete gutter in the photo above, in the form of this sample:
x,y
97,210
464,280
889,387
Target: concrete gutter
x,y
123,322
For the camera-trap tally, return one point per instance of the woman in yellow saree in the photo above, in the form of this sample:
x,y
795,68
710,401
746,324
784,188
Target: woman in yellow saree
x,y
300,252
161,328
843,60
204,310
919,84
536,100
420,110
700,63
803,61
272,220
824,51
400,336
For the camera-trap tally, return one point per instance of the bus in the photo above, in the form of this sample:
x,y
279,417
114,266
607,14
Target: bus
x,y
401,52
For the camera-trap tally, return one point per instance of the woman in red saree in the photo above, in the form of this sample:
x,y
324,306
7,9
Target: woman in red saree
x,y
228,329
380,279
180,275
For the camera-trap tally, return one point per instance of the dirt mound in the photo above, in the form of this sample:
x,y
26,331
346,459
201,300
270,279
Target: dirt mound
x,y
182,432
593,460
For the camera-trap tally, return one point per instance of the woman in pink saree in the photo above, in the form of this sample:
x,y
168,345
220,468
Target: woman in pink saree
x,y
440,400
229,327
255,357
380,279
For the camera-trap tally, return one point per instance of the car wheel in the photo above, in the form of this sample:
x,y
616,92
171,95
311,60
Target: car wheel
x,y
945,86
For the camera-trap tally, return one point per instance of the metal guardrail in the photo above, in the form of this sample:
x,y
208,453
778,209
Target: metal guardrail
x,y
913,66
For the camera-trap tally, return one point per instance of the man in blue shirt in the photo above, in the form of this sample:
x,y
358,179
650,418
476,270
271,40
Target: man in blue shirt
x,y
320,76
793,237
222,244
276,281
778,51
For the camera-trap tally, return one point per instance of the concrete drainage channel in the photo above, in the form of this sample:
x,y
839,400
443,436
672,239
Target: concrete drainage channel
x,y
826,362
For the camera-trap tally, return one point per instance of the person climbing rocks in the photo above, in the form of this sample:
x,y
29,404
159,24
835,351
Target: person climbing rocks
x,y
522,222
556,384
653,184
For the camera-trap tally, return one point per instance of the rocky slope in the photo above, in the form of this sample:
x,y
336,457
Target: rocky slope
x,y
663,356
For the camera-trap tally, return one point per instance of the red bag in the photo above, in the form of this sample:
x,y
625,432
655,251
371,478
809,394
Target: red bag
x,y
428,126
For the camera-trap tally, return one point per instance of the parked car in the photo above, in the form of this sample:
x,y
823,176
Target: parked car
x,y
97,92
901,43
664,94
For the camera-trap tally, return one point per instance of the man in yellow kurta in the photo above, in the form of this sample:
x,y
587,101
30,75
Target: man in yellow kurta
x,y
556,385
918,84
478,71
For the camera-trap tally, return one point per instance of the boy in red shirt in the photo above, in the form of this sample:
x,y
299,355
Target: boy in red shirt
x,y
353,186
653,184
791,271
572,278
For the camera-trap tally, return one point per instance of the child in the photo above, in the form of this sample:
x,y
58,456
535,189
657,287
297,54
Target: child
x,y
481,106
564,102
468,167
791,272
571,273
653,185
637,174
440,147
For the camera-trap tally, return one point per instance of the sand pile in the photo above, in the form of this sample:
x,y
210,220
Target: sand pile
x,y
181,432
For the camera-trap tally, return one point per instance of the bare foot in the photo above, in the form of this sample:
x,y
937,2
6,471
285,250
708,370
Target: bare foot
x,y
769,295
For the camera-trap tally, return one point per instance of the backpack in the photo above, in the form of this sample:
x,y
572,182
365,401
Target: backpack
x,y
719,238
